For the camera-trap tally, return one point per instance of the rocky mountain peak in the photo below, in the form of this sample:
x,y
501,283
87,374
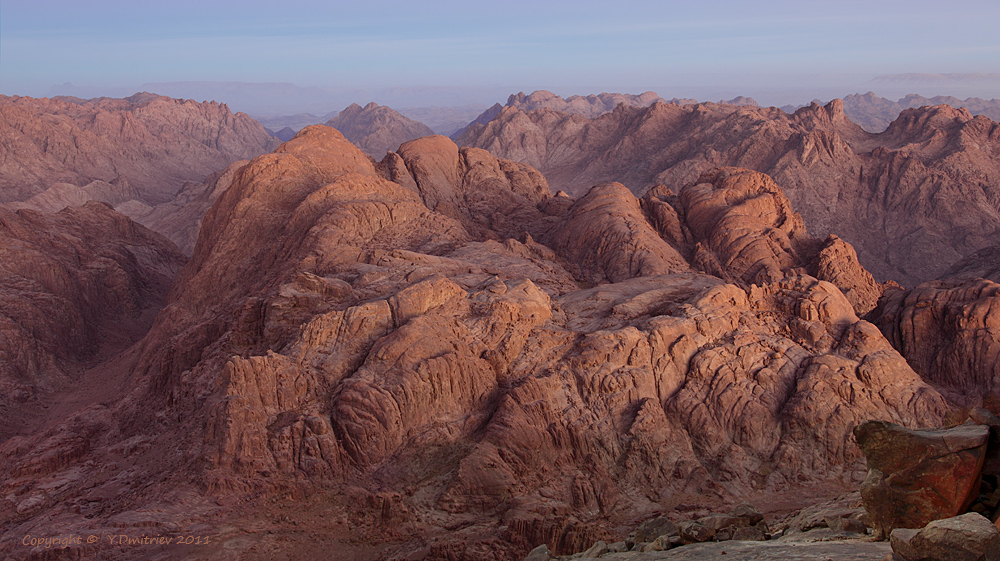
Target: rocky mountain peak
x,y
377,129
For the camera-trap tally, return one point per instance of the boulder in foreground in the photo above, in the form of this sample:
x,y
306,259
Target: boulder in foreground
x,y
969,537
916,476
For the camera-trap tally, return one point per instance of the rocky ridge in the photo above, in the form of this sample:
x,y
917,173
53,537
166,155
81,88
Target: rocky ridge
x,y
421,339
135,153
589,106
874,113
912,200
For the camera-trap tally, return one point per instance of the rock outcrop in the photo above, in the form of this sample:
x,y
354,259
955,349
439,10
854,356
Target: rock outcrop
x,y
606,234
377,129
949,334
416,346
739,226
911,200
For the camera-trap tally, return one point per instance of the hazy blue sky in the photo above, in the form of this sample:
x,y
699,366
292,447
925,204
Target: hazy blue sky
x,y
527,45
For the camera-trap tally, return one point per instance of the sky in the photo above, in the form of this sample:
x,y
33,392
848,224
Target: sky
x,y
628,46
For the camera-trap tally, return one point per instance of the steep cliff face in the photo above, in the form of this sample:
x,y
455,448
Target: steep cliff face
x,y
912,200
138,154
154,143
417,344
948,329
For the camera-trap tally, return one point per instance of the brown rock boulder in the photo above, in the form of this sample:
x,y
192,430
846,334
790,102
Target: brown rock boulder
x,y
747,513
650,530
694,532
540,553
969,537
916,476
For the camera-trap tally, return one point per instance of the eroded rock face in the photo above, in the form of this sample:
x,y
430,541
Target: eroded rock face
x,y
606,233
885,194
746,227
947,330
738,225
393,337
916,476
153,143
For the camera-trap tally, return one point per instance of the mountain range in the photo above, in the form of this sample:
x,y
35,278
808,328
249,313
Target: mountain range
x,y
147,155
874,113
913,199
377,129
580,315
